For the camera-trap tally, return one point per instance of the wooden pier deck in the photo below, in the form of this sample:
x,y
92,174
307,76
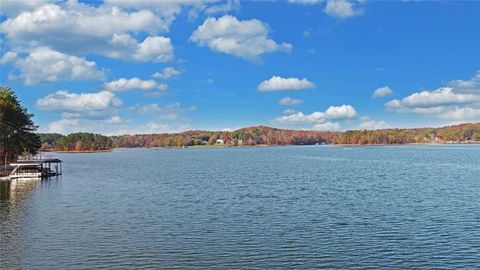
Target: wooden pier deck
x,y
34,167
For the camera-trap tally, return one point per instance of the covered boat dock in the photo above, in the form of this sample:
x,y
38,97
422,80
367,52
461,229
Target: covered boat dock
x,y
35,167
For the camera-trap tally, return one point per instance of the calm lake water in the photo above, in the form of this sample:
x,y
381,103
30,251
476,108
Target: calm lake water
x,y
256,208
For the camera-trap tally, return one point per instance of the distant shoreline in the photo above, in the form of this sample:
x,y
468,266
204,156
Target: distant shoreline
x,y
400,144
85,151
214,146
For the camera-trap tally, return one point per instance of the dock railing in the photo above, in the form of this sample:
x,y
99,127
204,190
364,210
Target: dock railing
x,y
37,157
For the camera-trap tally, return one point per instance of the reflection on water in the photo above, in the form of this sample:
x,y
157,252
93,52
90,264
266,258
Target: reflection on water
x,y
14,213
250,208
18,189
15,217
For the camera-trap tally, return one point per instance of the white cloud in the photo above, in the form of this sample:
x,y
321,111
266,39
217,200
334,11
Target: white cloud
x,y
305,2
459,101
246,39
439,97
63,126
14,7
340,112
78,20
467,86
124,84
300,118
76,28
370,124
461,113
167,73
107,126
277,83
223,7
8,57
319,120
382,92
327,126
155,49
114,120
167,112
46,65
290,101
64,100
343,8
111,126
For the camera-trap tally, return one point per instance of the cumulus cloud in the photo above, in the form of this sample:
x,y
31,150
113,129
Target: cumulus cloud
x,y
64,100
439,97
14,7
340,112
78,20
155,49
76,28
336,8
343,8
287,101
467,86
277,83
114,125
8,57
461,113
124,84
166,118
305,2
370,124
459,100
114,120
382,92
167,73
327,126
223,7
63,126
166,112
46,65
319,120
246,39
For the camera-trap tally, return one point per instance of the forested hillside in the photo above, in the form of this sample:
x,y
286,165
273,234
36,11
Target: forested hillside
x,y
458,133
78,142
262,135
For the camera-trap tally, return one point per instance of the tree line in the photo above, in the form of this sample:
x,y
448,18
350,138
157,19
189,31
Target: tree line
x,y
457,133
18,135
262,135
17,130
77,142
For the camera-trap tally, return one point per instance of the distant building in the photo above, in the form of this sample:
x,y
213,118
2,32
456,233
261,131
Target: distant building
x,y
219,141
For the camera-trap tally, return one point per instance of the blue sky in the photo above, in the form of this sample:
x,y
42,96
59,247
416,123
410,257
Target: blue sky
x,y
119,67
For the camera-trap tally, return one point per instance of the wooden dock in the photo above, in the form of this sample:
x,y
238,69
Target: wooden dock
x,y
34,167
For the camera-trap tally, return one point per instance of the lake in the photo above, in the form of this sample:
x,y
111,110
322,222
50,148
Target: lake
x,y
252,208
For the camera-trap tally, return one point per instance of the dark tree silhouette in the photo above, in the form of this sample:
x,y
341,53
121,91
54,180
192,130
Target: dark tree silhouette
x,y
17,130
